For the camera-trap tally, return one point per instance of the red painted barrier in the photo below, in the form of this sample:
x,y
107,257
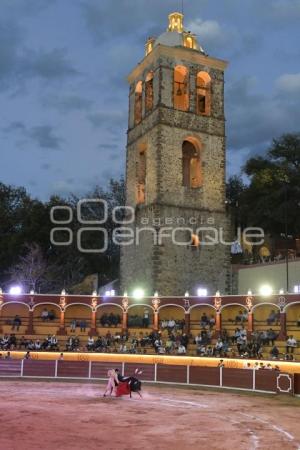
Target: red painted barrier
x,y
34,368
246,379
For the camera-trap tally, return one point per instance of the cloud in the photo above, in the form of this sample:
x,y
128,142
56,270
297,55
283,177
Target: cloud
x,y
67,103
227,39
285,10
110,119
254,118
43,135
288,83
20,64
45,166
15,127
10,38
209,31
49,65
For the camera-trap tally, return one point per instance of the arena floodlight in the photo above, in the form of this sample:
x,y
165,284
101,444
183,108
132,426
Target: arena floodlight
x,y
95,293
249,292
138,293
125,294
187,294
32,292
202,292
15,290
155,294
107,294
63,292
265,290
296,289
281,291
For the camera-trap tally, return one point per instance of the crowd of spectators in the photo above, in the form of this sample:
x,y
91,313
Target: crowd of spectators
x,y
110,320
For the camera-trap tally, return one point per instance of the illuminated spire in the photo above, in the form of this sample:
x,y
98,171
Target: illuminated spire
x,y
175,22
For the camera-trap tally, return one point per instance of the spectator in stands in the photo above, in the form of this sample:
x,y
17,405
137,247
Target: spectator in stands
x,y
204,321
291,344
271,336
181,350
17,322
184,340
221,363
91,343
73,325
27,355
241,317
274,352
212,322
218,347
273,317
82,325
179,324
8,356
45,315
157,344
51,315
201,350
23,342
171,324
146,318
12,342
198,339
37,345
164,324
169,346
53,343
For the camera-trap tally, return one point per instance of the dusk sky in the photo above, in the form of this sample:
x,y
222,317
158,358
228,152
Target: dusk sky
x,y
64,94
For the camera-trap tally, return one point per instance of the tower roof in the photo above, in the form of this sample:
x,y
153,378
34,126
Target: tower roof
x,y
175,36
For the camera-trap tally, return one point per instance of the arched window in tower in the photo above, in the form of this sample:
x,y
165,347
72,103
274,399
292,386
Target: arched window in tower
x,y
181,88
138,102
191,164
149,92
189,42
203,93
141,174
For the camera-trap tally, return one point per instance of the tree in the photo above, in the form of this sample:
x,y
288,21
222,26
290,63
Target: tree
x,y
273,196
27,220
30,270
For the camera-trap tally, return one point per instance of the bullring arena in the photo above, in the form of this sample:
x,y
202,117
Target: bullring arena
x,y
188,400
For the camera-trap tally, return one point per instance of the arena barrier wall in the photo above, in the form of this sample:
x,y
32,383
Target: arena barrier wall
x,y
229,378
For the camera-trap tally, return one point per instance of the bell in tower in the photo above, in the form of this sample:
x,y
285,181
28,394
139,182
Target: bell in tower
x,y
175,168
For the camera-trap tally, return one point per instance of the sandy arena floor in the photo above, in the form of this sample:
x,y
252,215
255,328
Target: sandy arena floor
x,y
72,416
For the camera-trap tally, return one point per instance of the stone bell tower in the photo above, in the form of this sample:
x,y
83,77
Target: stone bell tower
x,y
175,169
